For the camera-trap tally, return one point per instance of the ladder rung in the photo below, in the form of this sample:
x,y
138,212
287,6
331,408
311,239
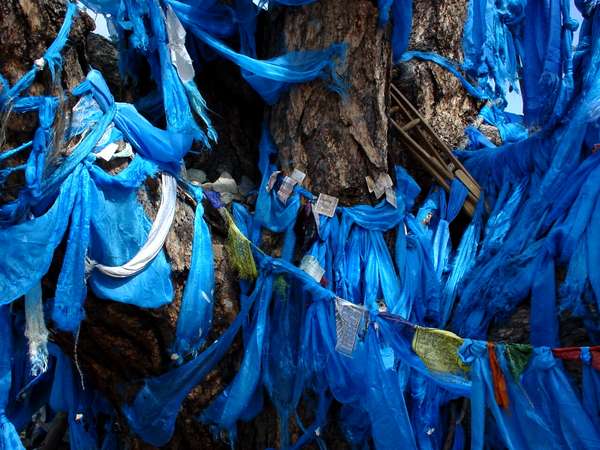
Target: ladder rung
x,y
411,124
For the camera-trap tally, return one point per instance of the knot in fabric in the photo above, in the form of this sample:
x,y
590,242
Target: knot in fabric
x,y
471,350
542,358
571,24
586,356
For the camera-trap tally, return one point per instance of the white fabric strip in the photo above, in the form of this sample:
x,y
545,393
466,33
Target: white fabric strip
x,y
35,330
156,237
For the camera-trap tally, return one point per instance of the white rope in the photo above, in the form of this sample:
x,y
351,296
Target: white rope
x,y
156,237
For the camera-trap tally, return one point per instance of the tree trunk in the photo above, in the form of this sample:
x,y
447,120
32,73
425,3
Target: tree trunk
x,y
336,141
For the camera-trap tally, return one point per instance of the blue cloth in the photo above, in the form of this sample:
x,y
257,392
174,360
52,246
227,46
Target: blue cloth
x,y
401,12
118,229
490,51
232,403
154,410
52,57
195,314
71,288
273,76
552,396
9,438
448,65
520,426
384,402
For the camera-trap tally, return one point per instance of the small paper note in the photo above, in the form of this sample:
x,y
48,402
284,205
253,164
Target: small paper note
x,y
264,4
107,152
272,180
370,184
311,266
317,220
125,151
180,57
298,175
326,205
383,182
286,189
390,196
348,318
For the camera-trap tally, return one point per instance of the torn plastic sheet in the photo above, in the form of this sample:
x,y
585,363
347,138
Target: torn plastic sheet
x,y
179,54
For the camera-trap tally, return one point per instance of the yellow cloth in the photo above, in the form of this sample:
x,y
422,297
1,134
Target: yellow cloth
x,y
239,249
438,349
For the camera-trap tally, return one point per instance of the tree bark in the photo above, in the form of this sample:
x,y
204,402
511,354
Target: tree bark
x,y
337,141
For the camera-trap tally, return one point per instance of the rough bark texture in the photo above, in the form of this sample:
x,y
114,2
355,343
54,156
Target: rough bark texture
x,y
336,141
439,96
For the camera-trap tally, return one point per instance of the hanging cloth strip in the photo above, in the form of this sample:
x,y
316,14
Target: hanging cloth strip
x,y
282,372
236,400
590,357
67,395
384,400
195,312
154,410
462,263
450,66
279,72
554,399
156,237
179,114
36,238
71,289
9,438
519,425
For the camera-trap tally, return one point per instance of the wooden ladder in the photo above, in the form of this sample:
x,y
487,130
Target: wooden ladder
x,y
435,156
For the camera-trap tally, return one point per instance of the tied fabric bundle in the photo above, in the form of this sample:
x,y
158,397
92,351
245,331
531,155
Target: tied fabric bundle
x,y
490,51
552,167
159,37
